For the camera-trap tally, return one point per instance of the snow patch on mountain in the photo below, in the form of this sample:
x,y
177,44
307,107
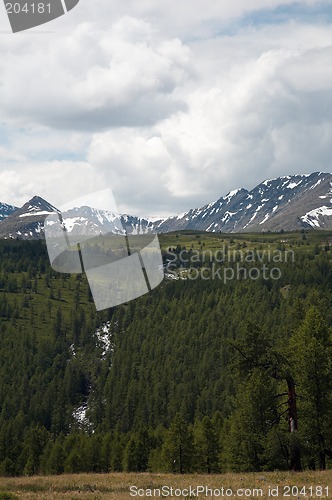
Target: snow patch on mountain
x,y
313,218
35,213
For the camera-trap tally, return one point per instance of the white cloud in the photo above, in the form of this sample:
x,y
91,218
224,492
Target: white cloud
x,y
134,164
153,103
186,19
93,79
249,120
56,181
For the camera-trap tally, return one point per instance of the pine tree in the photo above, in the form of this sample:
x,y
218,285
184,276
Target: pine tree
x,y
34,442
255,412
178,449
311,353
207,446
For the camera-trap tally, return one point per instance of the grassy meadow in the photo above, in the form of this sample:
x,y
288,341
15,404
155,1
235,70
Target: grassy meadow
x,y
116,486
200,240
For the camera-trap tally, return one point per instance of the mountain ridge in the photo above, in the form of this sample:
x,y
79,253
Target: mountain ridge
x,y
6,210
293,202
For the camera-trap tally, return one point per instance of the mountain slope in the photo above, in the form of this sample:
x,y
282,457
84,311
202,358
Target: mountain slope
x,y
78,385
6,210
274,204
292,202
86,220
27,222
210,217
310,208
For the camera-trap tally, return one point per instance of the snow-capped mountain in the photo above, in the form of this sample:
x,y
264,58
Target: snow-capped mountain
x,y
86,220
6,210
27,222
283,203
289,203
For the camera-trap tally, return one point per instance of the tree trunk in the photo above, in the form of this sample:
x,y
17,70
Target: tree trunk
x,y
322,456
295,456
181,462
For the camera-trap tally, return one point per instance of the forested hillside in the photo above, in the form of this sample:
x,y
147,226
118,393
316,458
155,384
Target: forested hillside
x,y
199,375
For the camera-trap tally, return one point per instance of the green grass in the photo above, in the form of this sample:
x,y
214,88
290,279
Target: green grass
x,y
213,241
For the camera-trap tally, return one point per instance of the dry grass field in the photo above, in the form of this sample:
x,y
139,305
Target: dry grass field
x,y
116,486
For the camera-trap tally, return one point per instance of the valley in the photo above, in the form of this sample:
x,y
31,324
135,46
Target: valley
x,y
201,362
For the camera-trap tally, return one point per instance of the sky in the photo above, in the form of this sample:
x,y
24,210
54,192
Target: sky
x,y
170,104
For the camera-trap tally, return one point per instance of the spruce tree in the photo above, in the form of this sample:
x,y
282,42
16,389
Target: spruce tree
x,y
178,449
311,353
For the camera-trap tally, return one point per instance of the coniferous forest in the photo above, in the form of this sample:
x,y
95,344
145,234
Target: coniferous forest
x,y
197,376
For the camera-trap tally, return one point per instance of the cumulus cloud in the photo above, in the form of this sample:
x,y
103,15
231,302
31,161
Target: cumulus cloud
x,y
91,78
56,181
188,19
156,103
254,118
